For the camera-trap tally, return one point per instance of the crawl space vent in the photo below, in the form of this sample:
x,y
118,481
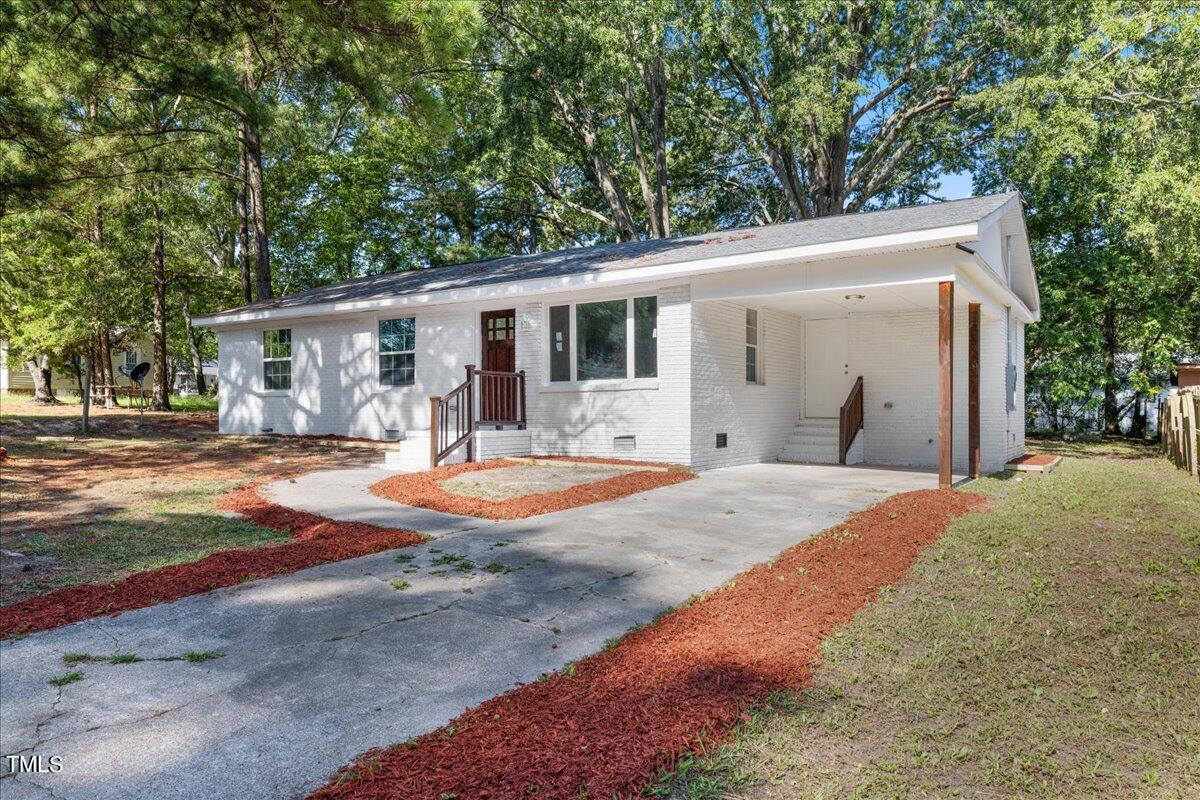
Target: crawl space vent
x,y
722,440
391,434
266,430
624,444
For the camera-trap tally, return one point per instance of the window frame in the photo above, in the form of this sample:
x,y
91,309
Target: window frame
x,y
264,360
628,381
760,378
125,358
379,352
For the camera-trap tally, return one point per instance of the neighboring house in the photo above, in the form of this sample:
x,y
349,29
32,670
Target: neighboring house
x,y
1188,376
726,348
15,378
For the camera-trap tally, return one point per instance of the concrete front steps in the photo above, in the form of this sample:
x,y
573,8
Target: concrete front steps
x,y
411,454
815,441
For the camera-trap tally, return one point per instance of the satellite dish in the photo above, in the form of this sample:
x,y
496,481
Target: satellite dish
x,y
139,372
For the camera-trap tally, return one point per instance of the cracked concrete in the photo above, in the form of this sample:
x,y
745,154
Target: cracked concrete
x,y
331,661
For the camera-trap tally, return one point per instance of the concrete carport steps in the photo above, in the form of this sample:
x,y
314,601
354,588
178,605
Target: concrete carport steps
x,y
813,441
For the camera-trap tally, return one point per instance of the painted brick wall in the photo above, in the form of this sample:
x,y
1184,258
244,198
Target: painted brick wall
x,y
334,382
583,420
897,356
758,418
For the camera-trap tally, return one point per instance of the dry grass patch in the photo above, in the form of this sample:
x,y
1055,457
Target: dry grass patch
x,y
128,498
509,483
1049,649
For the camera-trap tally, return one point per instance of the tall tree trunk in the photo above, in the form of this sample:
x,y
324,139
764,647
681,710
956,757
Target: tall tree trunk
x,y
39,372
193,344
1137,417
243,209
656,84
160,399
85,394
649,199
1112,422
106,369
258,216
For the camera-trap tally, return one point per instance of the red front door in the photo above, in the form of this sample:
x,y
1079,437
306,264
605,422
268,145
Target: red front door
x,y
497,396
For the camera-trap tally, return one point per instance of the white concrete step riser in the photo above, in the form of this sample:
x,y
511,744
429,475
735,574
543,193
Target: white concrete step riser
x,y
811,438
808,453
816,433
818,422
798,459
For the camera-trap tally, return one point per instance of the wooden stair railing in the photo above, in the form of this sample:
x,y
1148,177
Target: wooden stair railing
x,y
452,421
452,418
850,419
501,398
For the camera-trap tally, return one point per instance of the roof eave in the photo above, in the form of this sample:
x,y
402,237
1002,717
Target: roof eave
x,y
908,240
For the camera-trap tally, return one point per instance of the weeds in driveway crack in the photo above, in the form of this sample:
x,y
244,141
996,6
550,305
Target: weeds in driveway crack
x,y
63,680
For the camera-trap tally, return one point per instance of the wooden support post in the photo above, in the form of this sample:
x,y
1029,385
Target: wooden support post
x,y
945,384
973,389
433,430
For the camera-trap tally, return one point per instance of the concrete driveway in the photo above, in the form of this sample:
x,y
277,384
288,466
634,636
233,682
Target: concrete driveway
x,y
318,666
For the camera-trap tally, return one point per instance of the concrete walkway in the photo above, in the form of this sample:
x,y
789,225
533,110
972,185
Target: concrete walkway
x,y
323,664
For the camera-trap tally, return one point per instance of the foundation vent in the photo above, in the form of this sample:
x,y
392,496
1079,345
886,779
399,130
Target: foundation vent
x,y
266,430
722,440
391,434
624,444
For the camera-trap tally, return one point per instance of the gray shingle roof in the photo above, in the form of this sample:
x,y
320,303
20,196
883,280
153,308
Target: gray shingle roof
x,y
652,252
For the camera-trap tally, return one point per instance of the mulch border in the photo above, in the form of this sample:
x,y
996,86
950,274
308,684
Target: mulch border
x,y
315,540
421,489
607,725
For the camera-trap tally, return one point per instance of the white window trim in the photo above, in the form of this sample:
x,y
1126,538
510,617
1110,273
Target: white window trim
x,y
380,386
759,349
262,361
600,384
125,358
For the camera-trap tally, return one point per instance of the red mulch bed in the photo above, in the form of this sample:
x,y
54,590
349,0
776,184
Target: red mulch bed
x,y
421,489
681,684
317,540
1032,460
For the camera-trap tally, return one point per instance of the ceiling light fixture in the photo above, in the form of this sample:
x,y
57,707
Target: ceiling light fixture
x,y
856,298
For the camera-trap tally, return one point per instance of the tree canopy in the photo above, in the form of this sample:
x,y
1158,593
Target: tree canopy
x,y
160,160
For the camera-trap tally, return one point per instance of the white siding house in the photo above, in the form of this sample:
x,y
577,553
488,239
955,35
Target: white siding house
x,y
729,348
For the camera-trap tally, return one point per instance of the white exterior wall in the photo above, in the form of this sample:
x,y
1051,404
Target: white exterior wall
x,y
758,418
583,419
700,389
335,387
896,353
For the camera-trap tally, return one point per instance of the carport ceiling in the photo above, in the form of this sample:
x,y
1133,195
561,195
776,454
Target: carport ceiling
x,y
874,299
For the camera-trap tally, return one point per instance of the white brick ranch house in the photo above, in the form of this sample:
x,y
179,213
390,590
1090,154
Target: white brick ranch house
x,y
892,337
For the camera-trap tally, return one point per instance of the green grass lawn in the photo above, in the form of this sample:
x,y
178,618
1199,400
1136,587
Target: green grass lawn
x,y
1050,648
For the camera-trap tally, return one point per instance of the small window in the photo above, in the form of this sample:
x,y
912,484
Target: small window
x,y
397,351
645,337
560,343
752,362
600,340
277,360
131,358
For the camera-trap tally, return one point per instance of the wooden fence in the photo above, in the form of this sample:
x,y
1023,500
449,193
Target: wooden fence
x,y
1179,430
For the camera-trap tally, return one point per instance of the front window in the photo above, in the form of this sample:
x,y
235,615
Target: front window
x,y
613,340
600,340
131,359
397,351
277,360
751,346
